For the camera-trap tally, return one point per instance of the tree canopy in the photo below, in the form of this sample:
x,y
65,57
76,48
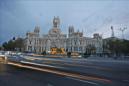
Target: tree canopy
x,y
118,47
14,44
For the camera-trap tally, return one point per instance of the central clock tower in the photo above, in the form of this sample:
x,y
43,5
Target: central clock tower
x,y
56,26
56,22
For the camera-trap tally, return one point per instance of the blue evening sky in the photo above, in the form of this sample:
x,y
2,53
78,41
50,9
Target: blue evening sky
x,y
90,16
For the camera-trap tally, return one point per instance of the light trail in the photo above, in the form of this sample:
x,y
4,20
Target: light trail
x,y
60,62
61,73
77,65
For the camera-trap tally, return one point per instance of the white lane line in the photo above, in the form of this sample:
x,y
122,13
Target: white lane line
x,y
51,59
73,60
93,83
49,84
40,64
126,81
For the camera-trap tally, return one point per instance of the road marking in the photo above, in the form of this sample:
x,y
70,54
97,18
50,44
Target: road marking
x,y
49,84
85,81
79,65
63,62
40,64
62,73
126,81
82,59
67,64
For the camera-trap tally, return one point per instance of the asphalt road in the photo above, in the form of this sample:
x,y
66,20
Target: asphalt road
x,y
15,76
93,73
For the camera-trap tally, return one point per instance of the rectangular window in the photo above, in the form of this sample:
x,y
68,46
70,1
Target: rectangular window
x,y
75,48
80,48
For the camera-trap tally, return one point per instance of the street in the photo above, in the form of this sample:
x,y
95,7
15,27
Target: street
x,y
15,76
38,71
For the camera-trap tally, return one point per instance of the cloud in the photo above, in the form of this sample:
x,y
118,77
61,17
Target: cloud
x,y
18,17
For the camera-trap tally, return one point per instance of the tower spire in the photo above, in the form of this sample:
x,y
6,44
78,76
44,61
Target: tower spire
x,y
112,29
56,22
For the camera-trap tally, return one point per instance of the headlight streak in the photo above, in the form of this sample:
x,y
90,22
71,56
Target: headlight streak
x,y
61,73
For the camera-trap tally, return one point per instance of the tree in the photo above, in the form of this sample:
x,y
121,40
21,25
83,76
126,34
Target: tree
x,y
1,48
11,45
19,44
119,47
5,45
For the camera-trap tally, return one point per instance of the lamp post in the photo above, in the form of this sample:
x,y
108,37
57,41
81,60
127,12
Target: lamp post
x,y
122,31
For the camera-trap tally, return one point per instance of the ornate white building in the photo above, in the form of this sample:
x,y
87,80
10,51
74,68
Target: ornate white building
x,y
75,42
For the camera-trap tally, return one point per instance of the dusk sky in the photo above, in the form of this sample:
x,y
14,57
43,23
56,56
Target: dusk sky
x,y
91,16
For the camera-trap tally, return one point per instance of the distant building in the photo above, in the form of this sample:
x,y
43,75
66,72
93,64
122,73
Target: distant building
x,y
75,42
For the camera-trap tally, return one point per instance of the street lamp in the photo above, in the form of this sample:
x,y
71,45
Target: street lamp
x,y
122,30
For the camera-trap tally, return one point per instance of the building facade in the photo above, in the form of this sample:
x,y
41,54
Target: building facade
x,y
74,42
